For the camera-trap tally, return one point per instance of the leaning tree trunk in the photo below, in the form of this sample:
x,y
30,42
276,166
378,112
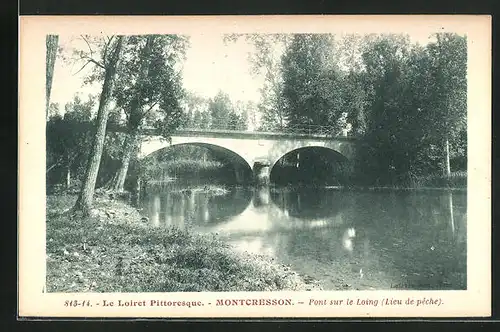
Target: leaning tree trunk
x,y
51,52
135,118
130,147
85,199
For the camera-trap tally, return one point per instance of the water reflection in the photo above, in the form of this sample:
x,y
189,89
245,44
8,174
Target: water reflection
x,y
307,203
347,239
364,240
173,206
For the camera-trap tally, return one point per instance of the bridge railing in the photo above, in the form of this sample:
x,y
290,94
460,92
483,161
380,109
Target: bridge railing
x,y
312,130
292,129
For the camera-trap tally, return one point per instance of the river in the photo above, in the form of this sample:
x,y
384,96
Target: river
x,y
384,239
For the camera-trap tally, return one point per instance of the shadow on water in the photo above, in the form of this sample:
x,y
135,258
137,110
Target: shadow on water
x,y
344,239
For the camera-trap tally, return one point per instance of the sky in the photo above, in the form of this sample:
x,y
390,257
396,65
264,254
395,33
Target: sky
x,y
210,66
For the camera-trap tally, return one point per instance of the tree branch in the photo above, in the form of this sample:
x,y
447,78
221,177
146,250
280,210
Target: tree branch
x,y
85,65
88,45
51,167
105,53
57,163
153,105
94,62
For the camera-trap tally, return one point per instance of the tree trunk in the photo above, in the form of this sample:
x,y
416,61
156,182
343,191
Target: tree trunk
x,y
68,176
447,157
85,199
130,147
135,118
51,42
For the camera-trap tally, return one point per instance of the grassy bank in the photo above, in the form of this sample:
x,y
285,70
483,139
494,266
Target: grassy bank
x,y
113,251
454,180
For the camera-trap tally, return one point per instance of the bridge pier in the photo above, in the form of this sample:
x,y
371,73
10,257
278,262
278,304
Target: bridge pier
x,y
261,173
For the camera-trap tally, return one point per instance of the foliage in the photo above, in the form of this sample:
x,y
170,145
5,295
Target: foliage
x,y
402,99
438,180
267,63
196,111
183,168
67,138
222,113
149,87
192,164
406,118
309,80
218,112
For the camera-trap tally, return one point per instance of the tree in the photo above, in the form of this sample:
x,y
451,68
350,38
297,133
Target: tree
x,y
312,81
68,136
449,94
266,62
195,109
53,110
109,61
388,139
51,53
219,108
415,103
153,92
248,114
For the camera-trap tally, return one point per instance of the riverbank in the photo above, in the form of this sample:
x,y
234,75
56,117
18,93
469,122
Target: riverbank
x,y
362,188
212,190
456,181
114,251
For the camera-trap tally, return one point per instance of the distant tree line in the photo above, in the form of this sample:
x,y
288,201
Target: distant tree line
x,y
218,112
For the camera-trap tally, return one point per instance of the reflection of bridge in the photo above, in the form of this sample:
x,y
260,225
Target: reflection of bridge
x,y
253,154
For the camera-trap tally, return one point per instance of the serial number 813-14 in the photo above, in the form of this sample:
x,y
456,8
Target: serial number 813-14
x,y
75,303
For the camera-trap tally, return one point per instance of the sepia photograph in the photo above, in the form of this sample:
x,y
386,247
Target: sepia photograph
x,y
257,164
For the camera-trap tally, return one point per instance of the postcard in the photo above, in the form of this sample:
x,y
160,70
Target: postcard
x,y
255,166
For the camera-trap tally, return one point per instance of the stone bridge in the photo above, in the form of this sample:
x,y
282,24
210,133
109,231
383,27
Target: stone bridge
x,y
253,154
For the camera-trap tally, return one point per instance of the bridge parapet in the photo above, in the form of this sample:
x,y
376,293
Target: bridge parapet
x,y
245,134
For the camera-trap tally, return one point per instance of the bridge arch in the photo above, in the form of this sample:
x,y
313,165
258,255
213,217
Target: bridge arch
x,y
242,169
310,163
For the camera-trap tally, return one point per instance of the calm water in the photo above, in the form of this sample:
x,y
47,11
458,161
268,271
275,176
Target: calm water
x,y
344,239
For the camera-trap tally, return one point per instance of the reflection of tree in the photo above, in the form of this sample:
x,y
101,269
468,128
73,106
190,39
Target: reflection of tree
x,y
452,220
412,234
174,208
221,208
309,203
400,238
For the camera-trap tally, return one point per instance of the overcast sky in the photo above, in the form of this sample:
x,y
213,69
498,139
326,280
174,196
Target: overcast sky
x,y
210,66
